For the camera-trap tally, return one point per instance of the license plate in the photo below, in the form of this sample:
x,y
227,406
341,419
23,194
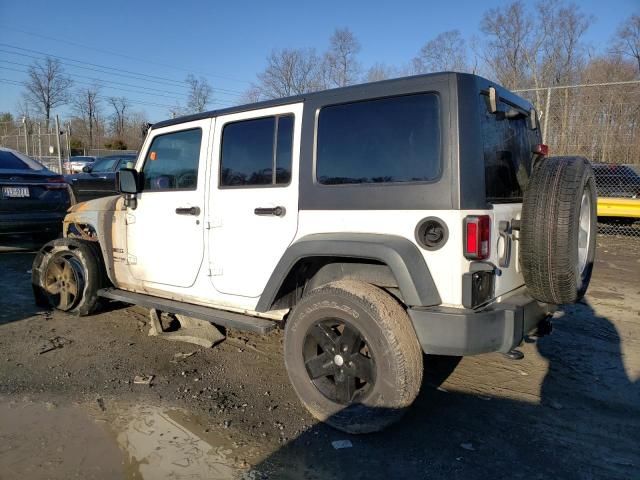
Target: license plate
x,y
15,192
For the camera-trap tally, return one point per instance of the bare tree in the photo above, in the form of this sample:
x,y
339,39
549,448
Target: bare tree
x,y
200,94
47,86
119,105
535,49
86,104
561,58
289,72
628,39
341,60
445,52
380,71
508,30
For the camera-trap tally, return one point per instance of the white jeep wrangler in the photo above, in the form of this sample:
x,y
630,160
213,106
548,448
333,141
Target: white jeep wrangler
x,y
375,222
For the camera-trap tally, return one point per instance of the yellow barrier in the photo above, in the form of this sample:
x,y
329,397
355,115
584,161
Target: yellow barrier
x,y
619,207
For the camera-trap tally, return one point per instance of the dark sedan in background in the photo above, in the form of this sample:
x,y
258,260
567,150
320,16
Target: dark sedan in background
x,y
620,181
99,178
33,199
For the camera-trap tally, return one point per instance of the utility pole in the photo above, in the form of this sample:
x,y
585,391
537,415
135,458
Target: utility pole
x,y
39,140
67,132
546,116
26,140
58,142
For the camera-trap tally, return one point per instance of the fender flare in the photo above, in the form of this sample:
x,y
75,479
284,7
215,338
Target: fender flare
x,y
401,255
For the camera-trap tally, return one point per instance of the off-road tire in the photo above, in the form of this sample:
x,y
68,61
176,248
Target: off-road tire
x,y
388,333
550,228
85,259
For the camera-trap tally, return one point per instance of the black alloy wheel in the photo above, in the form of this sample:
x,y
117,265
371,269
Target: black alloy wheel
x,y
339,361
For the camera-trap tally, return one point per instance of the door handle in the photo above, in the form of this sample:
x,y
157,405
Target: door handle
x,y
188,211
275,211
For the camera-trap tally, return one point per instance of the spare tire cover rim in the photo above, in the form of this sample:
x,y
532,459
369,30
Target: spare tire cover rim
x,y
584,233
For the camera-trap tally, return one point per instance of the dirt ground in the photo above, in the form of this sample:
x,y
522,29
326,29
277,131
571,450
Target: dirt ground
x,y
69,407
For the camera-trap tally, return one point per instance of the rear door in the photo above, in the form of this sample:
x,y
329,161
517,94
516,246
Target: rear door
x,y
253,206
508,145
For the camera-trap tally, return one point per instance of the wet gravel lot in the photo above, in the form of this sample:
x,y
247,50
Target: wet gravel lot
x,y
69,406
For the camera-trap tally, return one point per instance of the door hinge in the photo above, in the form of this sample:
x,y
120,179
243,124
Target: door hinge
x,y
215,222
215,270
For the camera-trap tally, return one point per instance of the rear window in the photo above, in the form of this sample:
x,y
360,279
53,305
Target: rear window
x,y
257,152
508,145
9,161
387,140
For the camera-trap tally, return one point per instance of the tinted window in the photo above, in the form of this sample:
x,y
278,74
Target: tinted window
x,y
9,161
172,161
508,145
104,165
252,150
386,140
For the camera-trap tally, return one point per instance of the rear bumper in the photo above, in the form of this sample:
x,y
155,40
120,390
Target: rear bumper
x,y
36,222
499,327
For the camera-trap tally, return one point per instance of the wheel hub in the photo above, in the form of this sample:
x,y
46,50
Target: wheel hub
x,y
584,232
339,361
63,281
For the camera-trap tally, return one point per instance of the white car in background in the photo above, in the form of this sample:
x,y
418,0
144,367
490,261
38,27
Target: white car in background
x,y
76,164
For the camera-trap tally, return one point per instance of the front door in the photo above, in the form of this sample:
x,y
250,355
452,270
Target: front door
x,y
253,207
165,232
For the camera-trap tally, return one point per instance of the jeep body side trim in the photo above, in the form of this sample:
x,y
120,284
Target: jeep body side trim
x,y
218,317
401,255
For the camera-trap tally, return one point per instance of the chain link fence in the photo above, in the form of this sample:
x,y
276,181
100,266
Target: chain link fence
x,y
36,140
602,123
40,142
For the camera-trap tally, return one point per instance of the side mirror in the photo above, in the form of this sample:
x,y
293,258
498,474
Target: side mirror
x,y
127,183
494,99
87,168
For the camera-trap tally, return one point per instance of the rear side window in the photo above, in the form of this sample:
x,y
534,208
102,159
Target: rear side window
x,y
10,162
257,152
507,152
172,161
386,140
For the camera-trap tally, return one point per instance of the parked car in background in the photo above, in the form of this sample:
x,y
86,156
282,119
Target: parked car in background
x,y
616,181
97,179
76,164
33,199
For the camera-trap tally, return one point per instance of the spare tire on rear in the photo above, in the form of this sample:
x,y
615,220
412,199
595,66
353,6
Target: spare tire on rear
x,y
558,229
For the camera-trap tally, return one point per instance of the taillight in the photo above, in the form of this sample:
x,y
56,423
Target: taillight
x,y
541,149
477,240
56,183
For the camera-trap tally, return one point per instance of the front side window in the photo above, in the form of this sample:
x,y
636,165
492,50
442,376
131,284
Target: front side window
x,y
386,140
257,152
104,165
172,161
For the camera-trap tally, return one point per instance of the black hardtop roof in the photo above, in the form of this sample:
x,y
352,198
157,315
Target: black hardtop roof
x,y
360,88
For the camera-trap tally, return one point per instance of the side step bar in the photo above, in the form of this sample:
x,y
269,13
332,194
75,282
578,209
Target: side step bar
x,y
213,315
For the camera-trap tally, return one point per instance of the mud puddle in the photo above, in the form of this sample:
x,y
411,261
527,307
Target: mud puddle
x,y
44,440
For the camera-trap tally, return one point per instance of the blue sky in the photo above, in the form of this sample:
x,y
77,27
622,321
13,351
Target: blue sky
x,y
226,41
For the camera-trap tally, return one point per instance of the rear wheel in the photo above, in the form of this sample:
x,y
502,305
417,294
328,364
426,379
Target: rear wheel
x,y
67,275
558,232
352,356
